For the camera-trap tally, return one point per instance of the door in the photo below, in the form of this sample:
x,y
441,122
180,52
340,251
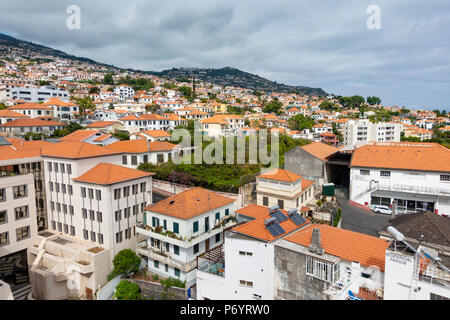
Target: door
x,y
206,244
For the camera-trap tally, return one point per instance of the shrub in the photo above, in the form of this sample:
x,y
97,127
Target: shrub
x,y
172,282
127,290
125,262
155,277
319,202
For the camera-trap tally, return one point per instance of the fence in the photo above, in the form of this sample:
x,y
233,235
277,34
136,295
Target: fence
x,y
107,291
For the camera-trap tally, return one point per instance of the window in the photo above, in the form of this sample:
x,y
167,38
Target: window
x,y
91,193
176,250
49,166
217,216
160,158
83,192
21,212
98,194
92,215
134,160
177,272
63,168
281,204
195,226
59,227
176,228
217,237
23,233
71,210
156,264
85,234
126,191
100,238
118,215
4,239
57,186
195,248
227,212
93,236
119,237
56,167
116,194
155,222
3,216
143,186
2,194
145,158
445,177
70,190
53,225
20,191
84,212
322,270
165,224
364,172
166,267
69,168
63,186
206,224
246,283
265,201
385,173
66,228
72,230
99,216
167,247
124,159
65,208
134,189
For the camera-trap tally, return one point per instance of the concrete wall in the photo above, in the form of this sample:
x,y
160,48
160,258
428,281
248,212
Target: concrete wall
x,y
302,163
156,291
291,281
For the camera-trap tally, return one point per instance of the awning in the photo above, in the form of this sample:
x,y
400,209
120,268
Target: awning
x,y
404,195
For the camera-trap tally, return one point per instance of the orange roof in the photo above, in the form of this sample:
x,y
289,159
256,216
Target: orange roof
x,y
319,150
55,101
101,124
9,152
102,137
76,150
140,146
107,173
5,113
257,229
345,244
190,203
35,106
156,133
280,175
327,134
79,135
403,155
31,123
253,211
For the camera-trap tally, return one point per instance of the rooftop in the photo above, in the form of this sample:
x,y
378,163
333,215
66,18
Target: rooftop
x,y
107,173
76,150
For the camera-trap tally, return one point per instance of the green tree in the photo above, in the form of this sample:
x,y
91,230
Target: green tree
x,y
127,290
126,262
327,105
300,122
346,102
108,79
373,100
357,101
273,106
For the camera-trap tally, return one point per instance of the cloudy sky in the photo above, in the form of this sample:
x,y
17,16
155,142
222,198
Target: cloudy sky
x,y
317,43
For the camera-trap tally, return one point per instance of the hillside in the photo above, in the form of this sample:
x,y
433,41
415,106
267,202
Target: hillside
x,y
225,76
233,77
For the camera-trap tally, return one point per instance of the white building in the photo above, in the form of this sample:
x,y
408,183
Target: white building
x,y
177,229
415,175
359,132
63,108
36,94
33,110
123,92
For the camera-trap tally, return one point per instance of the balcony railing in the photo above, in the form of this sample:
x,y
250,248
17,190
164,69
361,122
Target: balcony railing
x,y
165,257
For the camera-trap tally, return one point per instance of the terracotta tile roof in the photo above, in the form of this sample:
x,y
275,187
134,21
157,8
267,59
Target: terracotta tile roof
x,y
140,146
327,134
5,113
403,155
280,175
9,152
31,123
319,150
345,244
101,124
257,229
79,135
156,133
76,150
107,173
190,203
253,211
27,106
55,101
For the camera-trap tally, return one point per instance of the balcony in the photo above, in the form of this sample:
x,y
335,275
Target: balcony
x,y
164,257
184,242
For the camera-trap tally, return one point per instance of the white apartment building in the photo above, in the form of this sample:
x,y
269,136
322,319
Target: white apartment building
x,y
285,189
177,229
63,108
123,92
35,93
415,175
91,197
33,110
222,125
135,123
359,132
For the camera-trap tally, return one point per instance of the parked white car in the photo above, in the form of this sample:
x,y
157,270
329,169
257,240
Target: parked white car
x,y
380,209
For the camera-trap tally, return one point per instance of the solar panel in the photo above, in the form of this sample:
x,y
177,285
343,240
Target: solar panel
x,y
272,230
278,228
279,216
297,219
273,227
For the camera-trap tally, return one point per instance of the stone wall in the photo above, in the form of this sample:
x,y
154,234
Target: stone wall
x,y
302,163
156,291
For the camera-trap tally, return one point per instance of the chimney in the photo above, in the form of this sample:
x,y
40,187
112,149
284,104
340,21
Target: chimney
x,y
316,242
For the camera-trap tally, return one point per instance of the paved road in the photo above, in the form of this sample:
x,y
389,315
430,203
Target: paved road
x,y
360,220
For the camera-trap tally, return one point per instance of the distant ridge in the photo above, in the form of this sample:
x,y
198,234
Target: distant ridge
x,y
227,76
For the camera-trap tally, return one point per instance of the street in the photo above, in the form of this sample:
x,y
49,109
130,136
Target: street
x,y
360,220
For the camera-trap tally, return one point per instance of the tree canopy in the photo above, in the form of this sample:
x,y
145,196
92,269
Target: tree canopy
x,y
125,262
273,106
127,290
300,122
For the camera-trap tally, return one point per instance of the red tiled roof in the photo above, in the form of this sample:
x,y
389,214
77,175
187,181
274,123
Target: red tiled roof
x,y
107,173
